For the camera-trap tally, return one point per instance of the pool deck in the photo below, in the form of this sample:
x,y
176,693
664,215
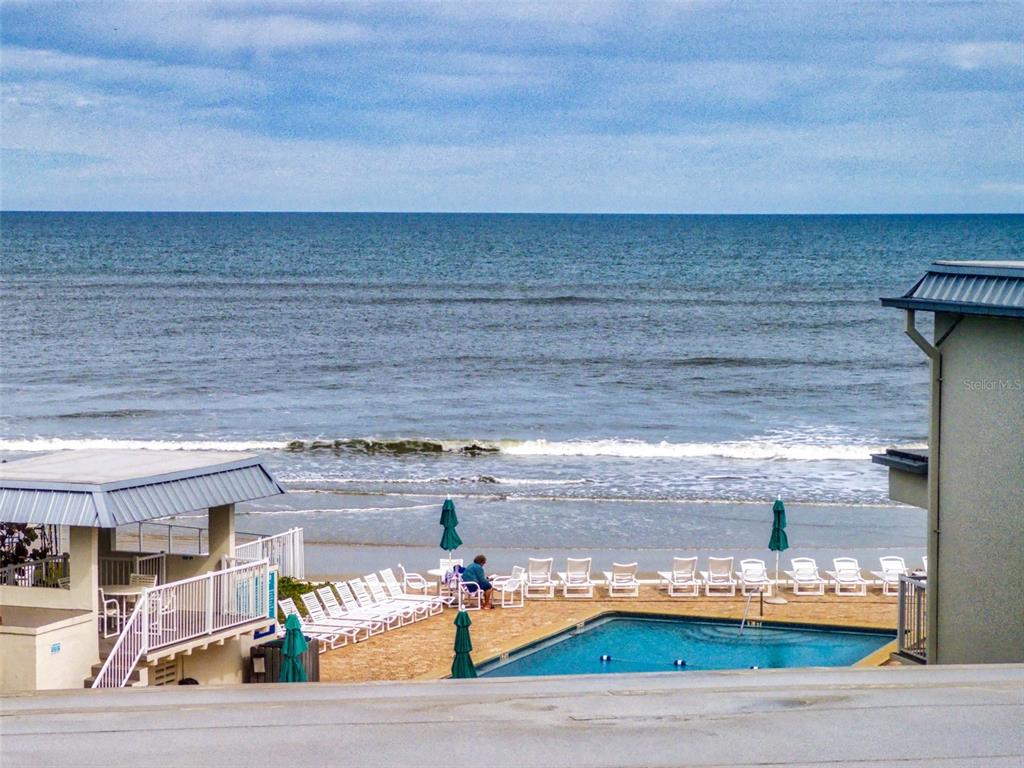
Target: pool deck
x,y
422,651
907,716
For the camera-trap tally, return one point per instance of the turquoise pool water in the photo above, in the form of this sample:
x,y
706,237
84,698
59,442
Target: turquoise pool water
x,y
654,645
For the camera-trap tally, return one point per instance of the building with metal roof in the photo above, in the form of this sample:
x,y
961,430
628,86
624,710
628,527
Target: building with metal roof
x,y
971,478
993,288
97,613
105,489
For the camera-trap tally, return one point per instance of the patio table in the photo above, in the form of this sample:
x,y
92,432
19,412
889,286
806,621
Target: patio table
x,y
123,593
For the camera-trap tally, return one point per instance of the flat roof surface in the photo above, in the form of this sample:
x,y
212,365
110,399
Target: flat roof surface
x,y
907,716
96,467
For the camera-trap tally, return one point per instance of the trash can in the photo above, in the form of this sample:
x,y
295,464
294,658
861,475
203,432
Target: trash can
x,y
264,662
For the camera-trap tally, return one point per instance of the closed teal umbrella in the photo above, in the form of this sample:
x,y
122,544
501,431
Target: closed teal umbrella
x,y
294,646
779,542
450,540
462,664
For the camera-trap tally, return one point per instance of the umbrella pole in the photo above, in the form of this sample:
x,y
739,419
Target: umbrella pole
x,y
776,598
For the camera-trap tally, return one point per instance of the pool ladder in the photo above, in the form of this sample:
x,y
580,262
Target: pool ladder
x,y
746,609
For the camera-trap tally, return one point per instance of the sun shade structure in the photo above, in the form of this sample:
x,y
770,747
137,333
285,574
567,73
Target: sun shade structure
x,y
105,489
967,288
462,664
450,540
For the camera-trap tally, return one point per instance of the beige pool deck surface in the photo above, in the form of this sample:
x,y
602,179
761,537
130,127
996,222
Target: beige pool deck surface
x,y
420,651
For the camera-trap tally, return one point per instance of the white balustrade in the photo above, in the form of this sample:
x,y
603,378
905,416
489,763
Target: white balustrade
x,y
285,550
187,610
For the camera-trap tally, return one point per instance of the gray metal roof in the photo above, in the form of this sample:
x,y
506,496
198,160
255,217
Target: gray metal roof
x,y
104,489
968,288
912,460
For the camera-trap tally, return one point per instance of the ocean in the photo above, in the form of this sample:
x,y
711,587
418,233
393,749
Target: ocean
x,y
626,385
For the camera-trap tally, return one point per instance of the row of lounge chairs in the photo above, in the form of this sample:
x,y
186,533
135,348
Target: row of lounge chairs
x,y
684,580
368,606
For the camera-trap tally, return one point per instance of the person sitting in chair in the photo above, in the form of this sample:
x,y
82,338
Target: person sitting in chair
x,y
474,578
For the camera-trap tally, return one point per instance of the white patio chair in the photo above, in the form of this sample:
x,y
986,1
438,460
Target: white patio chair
x,y
892,568
576,582
390,618
621,580
335,611
718,577
511,589
447,588
472,597
141,580
109,608
413,582
846,577
326,637
317,615
805,576
539,583
682,580
753,575
435,604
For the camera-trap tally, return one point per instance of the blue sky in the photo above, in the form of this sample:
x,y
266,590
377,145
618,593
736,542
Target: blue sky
x,y
605,107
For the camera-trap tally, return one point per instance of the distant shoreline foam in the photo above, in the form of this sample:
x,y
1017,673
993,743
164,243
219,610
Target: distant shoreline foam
x,y
753,449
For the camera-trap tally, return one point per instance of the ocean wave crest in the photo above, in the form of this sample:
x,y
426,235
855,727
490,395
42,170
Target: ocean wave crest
x,y
759,449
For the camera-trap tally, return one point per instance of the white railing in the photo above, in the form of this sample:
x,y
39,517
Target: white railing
x,y
118,570
47,572
187,610
285,550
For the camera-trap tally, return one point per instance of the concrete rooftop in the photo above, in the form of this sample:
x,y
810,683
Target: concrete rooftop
x,y
907,716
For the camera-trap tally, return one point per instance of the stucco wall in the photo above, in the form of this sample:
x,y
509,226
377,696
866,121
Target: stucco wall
x,y
217,665
48,658
979,578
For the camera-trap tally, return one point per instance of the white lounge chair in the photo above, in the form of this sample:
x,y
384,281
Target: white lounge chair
x,y
390,618
576,581
382,596
753,575
413,582
846,577
374,597
621,580
511,589
806,578
718,577
435,604
335,611
326,637
682,580
539,583
892,568
319,617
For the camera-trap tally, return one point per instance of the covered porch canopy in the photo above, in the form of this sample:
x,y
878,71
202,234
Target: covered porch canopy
x,y
105,489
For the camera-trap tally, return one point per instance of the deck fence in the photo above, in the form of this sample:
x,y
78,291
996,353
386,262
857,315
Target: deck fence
x,y
285,550
45,572
187,610
912,626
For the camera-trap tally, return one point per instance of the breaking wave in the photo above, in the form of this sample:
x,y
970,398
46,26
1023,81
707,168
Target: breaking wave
x,y
759,449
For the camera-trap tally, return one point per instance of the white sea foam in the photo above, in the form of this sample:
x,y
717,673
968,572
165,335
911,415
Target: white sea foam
x,y
763,449
745,449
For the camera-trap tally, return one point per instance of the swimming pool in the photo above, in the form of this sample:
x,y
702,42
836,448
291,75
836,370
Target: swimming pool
x,y
634,644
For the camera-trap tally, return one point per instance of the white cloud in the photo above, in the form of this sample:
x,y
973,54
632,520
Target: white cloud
x,y
987,55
